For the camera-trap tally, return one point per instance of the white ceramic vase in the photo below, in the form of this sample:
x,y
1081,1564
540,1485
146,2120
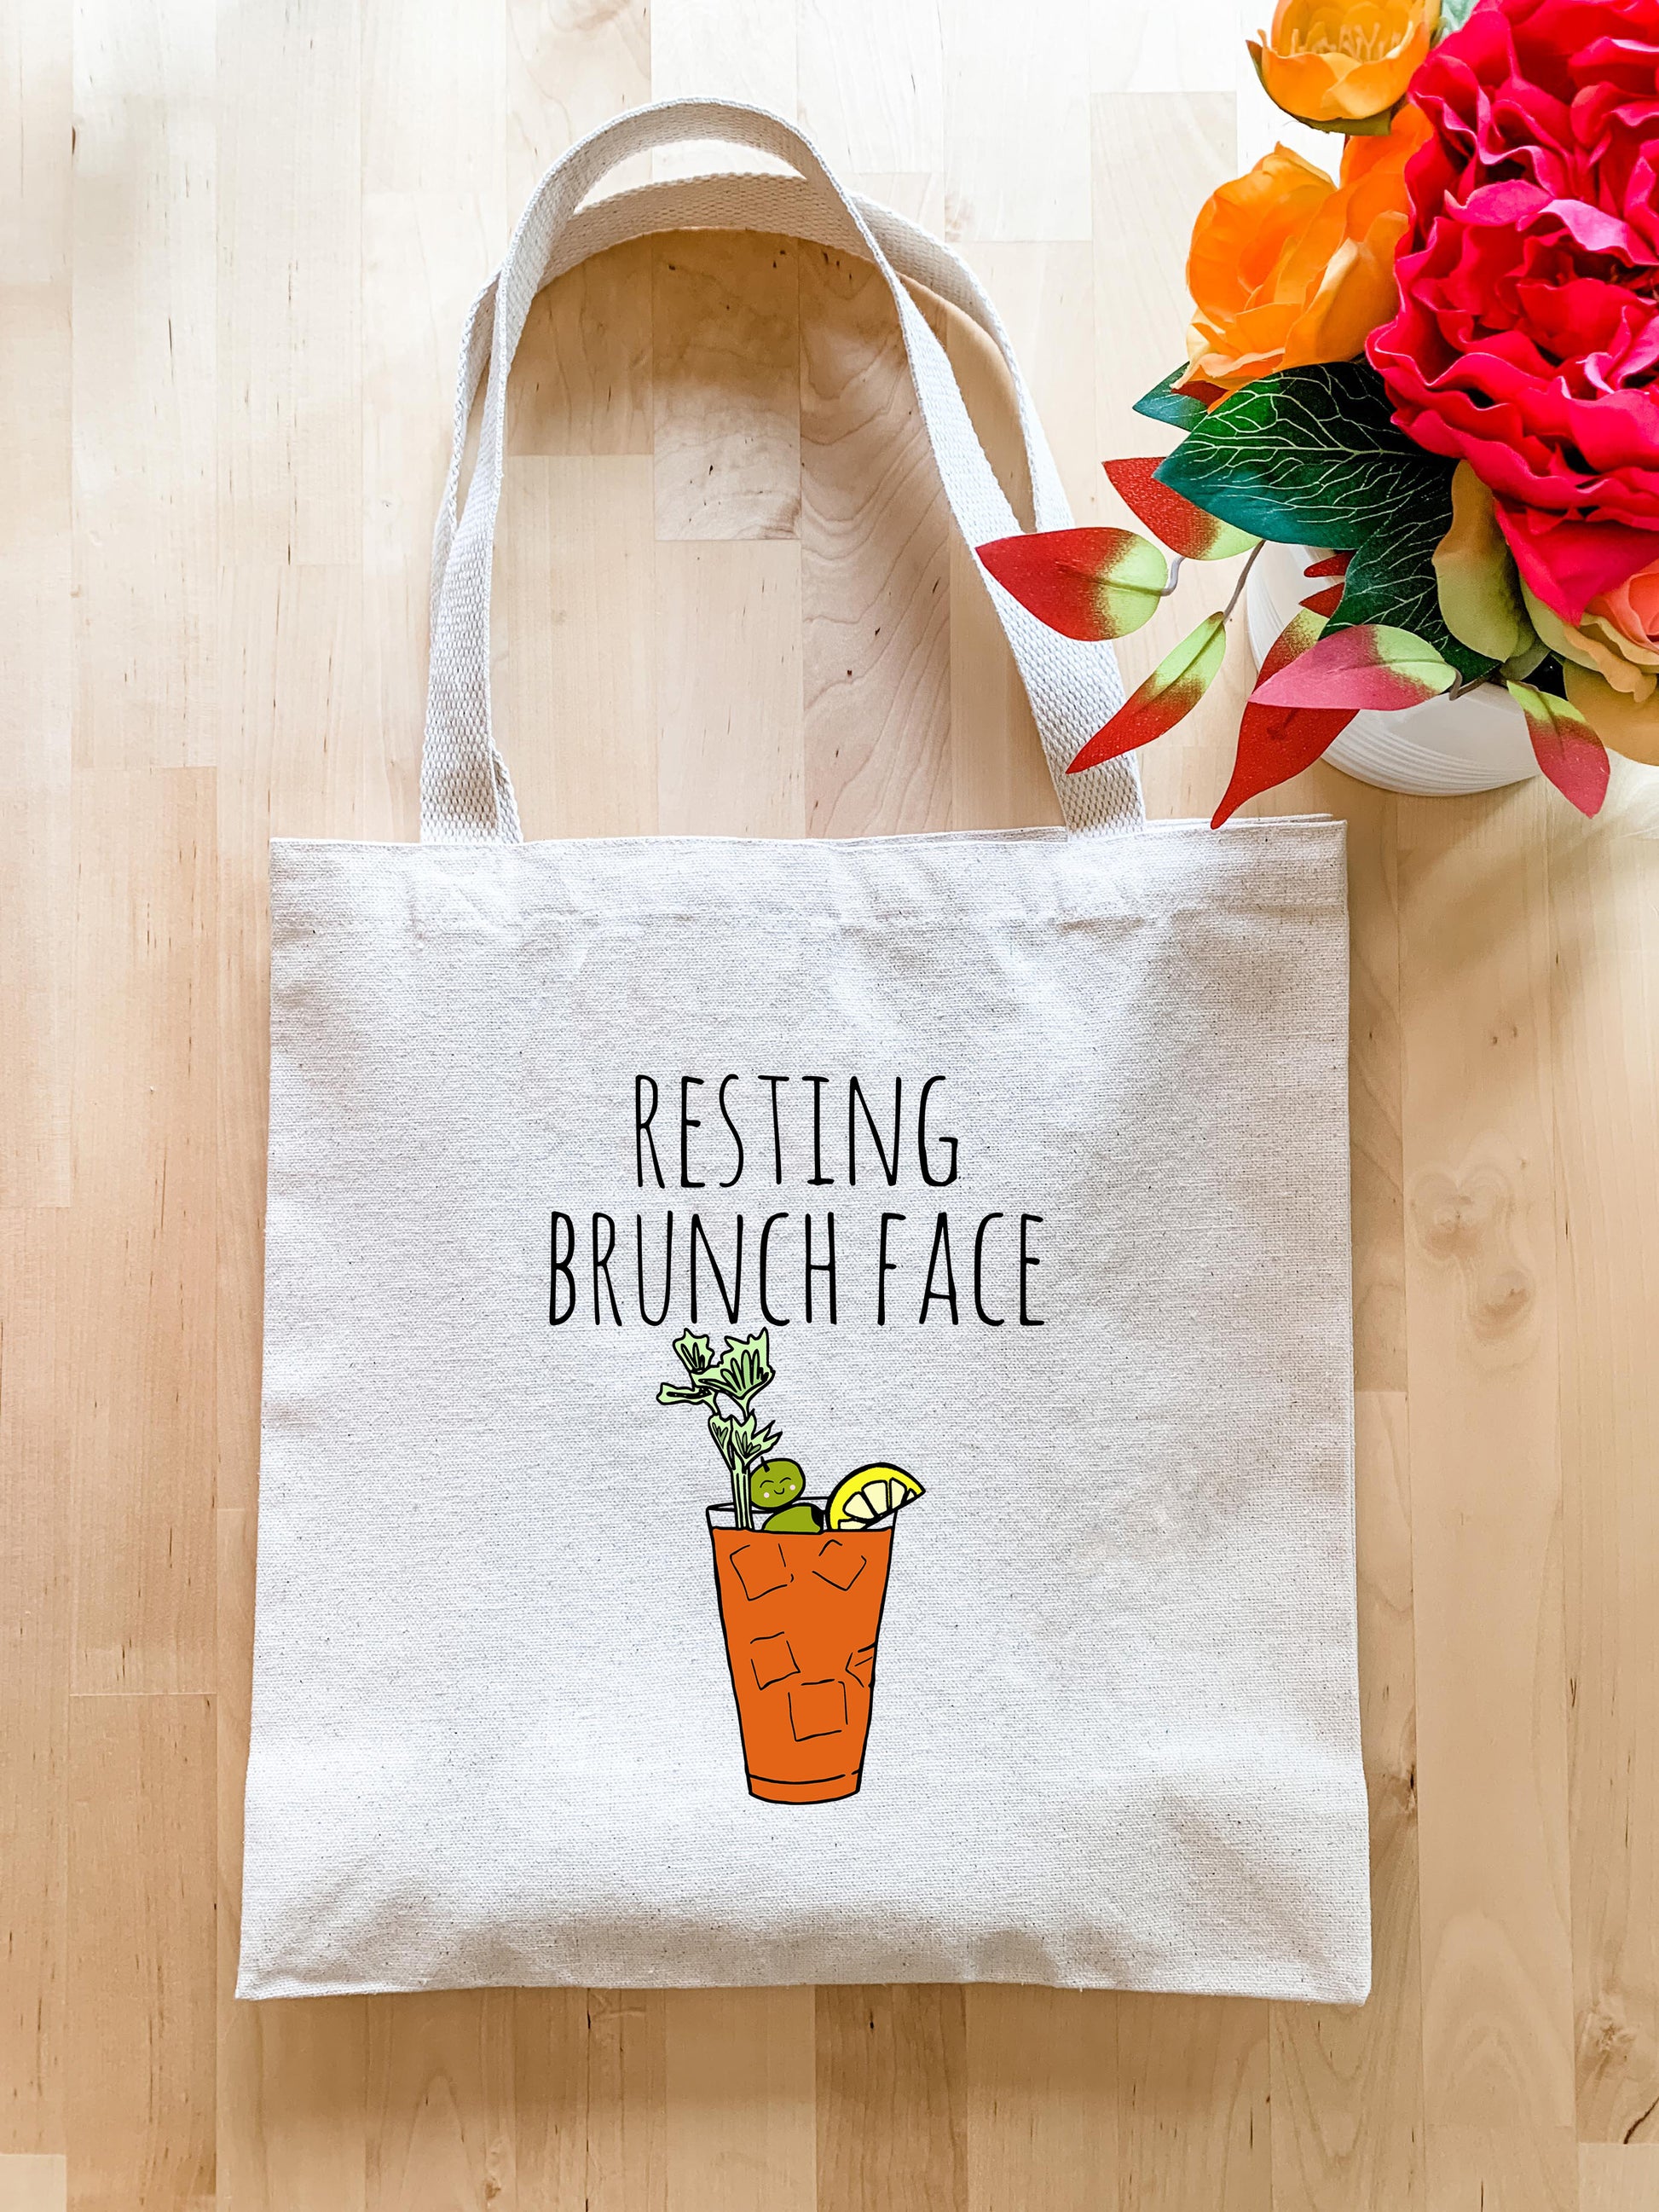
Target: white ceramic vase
x,y
1446,745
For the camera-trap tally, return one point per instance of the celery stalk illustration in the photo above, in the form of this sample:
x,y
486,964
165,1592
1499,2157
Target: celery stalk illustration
x,y
736,1378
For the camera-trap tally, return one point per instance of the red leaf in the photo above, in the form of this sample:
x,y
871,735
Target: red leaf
x,y
1276,742
1372,665
1088,583
1334,564
1171,692
1566,747
1184,528
1326,602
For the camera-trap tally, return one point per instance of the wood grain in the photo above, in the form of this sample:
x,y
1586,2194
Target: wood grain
x,y
235,248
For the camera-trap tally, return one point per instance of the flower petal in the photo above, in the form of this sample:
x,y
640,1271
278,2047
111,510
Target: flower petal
x,y
1617,720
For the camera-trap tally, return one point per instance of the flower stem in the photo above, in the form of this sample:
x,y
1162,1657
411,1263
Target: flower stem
x,y
1244,577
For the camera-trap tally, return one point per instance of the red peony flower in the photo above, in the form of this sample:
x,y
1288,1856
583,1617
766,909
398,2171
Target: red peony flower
x,y
1527,340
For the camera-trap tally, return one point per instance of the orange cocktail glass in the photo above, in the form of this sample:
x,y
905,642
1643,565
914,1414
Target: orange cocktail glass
x,y
801,1614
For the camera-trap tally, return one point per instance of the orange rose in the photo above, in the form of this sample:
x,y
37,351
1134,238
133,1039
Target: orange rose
x,y
1288,268
1336,62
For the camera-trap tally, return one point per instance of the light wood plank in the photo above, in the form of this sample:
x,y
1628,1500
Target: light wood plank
x,y
1614,2178
424,257
139,1323
34,2181
1045,296
626,2166
726,396
739,2085
290,284
1605,1070
875,538
35,1672
730,760
581,383
139,2068
576,678
892,2095
871,98
144,289
441,2093
1004,95
37,938
36,627
1347,2081
1193,2110
551,2096
1042,2110
1482,1332
570,69
592,2098
435,99
1502,2169
743,50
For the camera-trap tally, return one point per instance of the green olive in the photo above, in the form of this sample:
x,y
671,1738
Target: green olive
x,y
802,1520
775,1482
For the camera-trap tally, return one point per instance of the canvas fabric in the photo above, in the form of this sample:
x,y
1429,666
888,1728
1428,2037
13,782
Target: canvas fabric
x,y
1020,1161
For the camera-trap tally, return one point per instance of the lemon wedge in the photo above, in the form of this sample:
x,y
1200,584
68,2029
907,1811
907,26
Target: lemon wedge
x,y
868,1494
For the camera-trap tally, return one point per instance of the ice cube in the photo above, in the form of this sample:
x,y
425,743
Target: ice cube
x,y
817,1708
838,1563
761,1567
772,1660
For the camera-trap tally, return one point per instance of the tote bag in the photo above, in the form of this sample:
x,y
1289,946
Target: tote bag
x,y
807,1421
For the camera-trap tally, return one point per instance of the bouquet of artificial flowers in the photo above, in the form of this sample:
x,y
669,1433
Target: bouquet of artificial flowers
x,y
1442,370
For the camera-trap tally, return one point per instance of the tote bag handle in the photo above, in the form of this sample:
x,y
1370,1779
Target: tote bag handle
x,y
466,795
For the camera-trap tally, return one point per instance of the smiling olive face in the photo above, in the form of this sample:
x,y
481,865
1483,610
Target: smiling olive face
x,y
775,1482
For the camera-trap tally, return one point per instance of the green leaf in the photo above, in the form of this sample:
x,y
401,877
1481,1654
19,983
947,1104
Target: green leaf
x,y
742,1441
1311,457
1475,579
696,1352
744,1368
726,1433
1165,404
681,1394
1454,14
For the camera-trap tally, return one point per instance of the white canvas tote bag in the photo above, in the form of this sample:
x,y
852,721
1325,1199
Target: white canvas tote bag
x,y
807,1421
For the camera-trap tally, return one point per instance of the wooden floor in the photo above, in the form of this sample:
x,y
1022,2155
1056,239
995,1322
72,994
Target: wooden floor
x,y
236,252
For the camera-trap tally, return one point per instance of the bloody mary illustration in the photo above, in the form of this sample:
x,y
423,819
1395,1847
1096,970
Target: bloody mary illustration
x,y
801,1582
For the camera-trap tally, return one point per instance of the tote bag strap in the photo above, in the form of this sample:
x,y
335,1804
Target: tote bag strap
x,y
466,795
